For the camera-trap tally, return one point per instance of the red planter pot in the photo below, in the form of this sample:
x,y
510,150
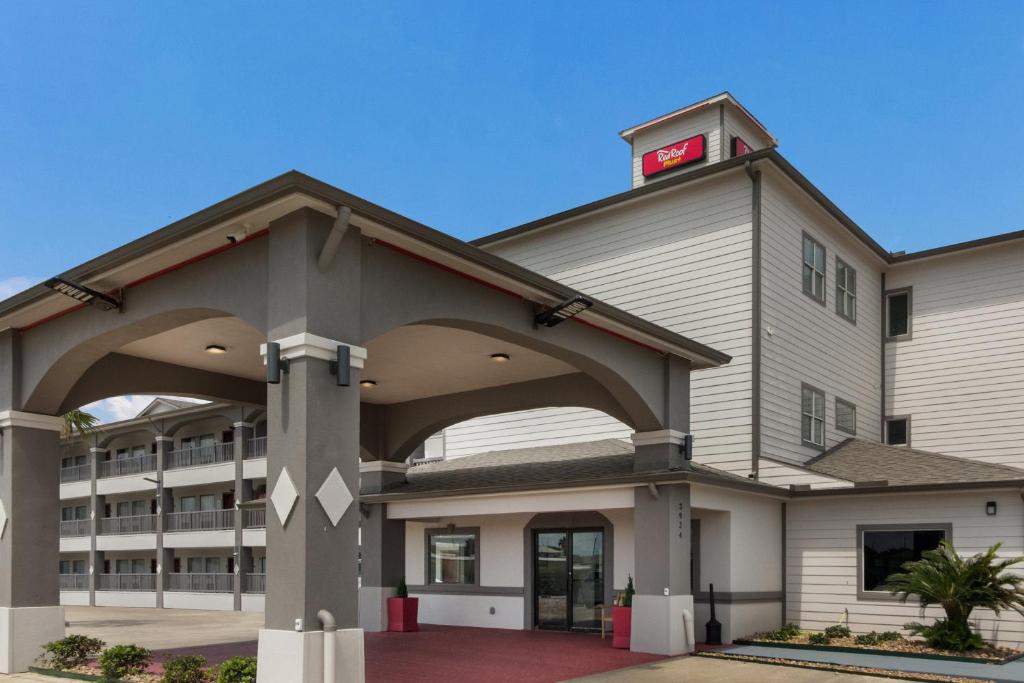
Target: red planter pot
x,y
403,614
622,626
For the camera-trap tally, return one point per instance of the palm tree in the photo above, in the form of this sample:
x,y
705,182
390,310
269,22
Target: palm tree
x,y
959,585
78,421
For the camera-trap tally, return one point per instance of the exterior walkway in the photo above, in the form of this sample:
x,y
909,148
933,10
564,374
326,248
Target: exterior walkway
x,y
1012,672
707,670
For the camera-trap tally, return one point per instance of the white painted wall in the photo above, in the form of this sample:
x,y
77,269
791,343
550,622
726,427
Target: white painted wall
x,y
126,542
821,555
126,484
471,610
74,544
195,476
182,600
961,375
221,538
126,599
704,120
75,489
681,259
545,501
78,598
251,602
804,341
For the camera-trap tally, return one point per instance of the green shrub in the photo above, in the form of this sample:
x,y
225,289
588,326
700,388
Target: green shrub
x,y
866,638
947,635
403,590
185,669
627,598
72,651
889,636
124,660
787,632
837,631
237,670
819,639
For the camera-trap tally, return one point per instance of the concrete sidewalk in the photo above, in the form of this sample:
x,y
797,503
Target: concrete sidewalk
x,y
708,670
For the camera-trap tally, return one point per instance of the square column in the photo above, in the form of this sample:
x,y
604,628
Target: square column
x,y
96,506
30,612
313,516
164,502
661,522
243,494
382,545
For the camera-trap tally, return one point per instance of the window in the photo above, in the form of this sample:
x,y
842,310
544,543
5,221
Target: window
x,y
846,291
898,312
452,556
812,416
846,416
897,430
882,550
814,269
72,567
72,513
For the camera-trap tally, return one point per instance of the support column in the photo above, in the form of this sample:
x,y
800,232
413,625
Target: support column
x,y
664,449
30,612
243,494
97,505
661,520
382,546
164,503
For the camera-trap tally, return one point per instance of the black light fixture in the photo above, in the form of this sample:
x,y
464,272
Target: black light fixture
x,y
216,349
563,311
342,366
275,364
85,295
501,357
990,508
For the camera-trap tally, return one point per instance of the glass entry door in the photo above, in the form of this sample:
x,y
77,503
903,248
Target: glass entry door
x,y
568,578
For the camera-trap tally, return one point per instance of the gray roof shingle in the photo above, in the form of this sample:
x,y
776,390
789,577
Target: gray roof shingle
x,y
860,460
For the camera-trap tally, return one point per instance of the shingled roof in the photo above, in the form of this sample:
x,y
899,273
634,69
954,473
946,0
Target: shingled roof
x,y
860,460
587,463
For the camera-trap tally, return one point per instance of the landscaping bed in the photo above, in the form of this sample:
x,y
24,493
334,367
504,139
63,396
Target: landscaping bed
x,y
892,643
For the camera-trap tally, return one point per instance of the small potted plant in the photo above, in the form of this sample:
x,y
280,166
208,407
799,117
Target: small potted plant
x,y
622,617
403,611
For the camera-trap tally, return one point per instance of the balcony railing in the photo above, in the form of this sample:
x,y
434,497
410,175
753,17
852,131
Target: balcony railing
x,y
76,582
195,456
202,583
134,524
203,520
257,448
75,473
255,583
256,519
138,464
127,582
75,527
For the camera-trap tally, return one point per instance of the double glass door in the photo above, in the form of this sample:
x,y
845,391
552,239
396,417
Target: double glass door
x,y
568,579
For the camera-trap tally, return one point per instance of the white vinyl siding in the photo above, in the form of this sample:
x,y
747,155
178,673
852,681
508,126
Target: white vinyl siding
x,y
739,125
960,375
681,260
705,121
803,341
821,555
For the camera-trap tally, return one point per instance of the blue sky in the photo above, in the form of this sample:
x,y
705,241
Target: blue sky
x,y
117,118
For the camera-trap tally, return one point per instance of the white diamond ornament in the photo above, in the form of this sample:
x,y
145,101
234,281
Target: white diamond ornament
x,y
284,496
334,496
3,518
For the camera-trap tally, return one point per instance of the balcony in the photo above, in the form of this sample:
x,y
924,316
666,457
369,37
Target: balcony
x,y
75,473
76,582
256,583
134,524
202,583
257,448
204,520
256,519
134,583
75,527
139,464
197,456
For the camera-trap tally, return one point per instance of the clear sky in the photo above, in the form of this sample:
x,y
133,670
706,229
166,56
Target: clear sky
x,y
117,118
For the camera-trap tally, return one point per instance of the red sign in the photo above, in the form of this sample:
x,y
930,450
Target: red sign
x,y
675,155
739,148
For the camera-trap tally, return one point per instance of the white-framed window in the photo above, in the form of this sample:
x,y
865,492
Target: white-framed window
x,y
814,269
846,291
882,549
846,416
897,430
898,314
812,416
452,556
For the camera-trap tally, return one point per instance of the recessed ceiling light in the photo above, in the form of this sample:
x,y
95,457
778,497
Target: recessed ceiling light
x,y
367,384
501,357
216,349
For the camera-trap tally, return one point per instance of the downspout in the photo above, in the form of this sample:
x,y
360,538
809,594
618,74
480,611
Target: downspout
x,y
330,627
881,408
755,319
